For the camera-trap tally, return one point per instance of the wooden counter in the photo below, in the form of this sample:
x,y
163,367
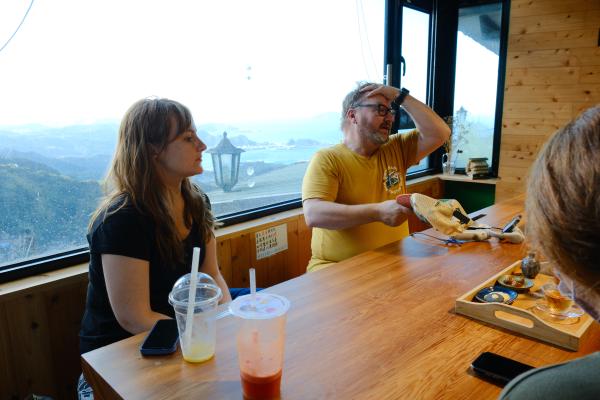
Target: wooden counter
x,y
379,326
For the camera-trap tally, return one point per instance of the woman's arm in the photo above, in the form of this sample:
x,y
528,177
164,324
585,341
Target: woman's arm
x,y
211,267
128,286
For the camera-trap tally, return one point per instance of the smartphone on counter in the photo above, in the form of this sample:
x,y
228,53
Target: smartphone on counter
x,y
162,339
512,224
498,368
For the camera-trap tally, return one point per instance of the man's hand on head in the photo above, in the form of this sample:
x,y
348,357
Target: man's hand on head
x,y
391,213
389,92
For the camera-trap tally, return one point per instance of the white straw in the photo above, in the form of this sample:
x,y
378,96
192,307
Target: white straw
x,y
253,284
189,320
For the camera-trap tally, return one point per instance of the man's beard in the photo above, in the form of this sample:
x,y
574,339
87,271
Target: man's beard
x,y
376,137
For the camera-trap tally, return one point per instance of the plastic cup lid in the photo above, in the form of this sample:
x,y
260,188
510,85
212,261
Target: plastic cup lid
x,y
264,306
205,294
207,291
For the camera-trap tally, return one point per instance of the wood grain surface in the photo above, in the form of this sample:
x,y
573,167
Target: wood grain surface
x,y
380,325
552,75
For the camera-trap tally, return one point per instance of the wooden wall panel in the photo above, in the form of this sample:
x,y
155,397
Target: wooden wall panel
x,y
543,76
550,111
8,389
530,126
261,266
39,345
271,270
551,40
516,143
570,93
291,255
552,75
29,331
65,309
590,74
547,8
565,21
533,58
240,260
304,251
224,257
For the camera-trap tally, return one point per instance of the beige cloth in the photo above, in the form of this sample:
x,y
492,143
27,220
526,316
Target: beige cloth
x,y
439,213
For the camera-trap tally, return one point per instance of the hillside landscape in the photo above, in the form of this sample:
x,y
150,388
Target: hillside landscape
x,y
50,178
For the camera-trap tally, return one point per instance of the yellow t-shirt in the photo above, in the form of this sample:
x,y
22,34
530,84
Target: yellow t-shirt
x,y
340,175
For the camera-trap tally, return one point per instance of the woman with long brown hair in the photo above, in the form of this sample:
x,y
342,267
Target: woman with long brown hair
x,y
563,223
142,236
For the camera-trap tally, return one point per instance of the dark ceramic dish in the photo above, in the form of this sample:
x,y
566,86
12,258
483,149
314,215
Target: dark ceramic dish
x,y
496,294
515,282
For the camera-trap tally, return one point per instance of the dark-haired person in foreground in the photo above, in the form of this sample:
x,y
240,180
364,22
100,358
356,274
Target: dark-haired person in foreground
x,y
349,190
142,236
563,222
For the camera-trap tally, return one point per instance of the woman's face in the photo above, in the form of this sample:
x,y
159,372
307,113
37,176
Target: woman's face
x,y
182,157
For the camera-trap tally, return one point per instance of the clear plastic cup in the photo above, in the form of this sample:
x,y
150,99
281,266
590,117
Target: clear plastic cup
x,y
260,343
201,345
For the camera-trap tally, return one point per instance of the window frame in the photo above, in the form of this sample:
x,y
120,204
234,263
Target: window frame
x,y
440,92
393,58
502,57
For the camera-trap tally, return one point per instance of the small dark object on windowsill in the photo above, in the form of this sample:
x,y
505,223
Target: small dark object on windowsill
x,y
481,176
38,397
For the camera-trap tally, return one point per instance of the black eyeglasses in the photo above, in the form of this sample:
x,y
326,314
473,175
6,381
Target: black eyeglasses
x,y
382,110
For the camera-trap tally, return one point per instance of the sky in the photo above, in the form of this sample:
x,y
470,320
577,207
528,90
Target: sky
x,y
87,61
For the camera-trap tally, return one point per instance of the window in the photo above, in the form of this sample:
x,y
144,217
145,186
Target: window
x,y
415,51
289,75
271,74
476,81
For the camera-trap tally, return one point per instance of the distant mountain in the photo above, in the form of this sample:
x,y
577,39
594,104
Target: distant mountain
x,y
41,210
98,139
49,176
213,140
84,151
303,142
324,127
69,141
84,168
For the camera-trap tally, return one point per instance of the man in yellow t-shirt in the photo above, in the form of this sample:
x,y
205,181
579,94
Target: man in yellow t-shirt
x,y
349,190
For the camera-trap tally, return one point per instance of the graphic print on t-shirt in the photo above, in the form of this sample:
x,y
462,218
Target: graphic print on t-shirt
x,y
392,180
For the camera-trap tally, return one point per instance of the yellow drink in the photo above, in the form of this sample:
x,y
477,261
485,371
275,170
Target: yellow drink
x,y
198,352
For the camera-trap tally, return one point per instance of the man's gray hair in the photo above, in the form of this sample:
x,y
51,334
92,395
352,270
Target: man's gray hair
x,y
352,99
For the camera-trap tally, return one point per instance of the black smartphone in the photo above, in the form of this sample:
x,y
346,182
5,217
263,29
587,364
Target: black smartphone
x,y
498,368
511,225
162,339
478,216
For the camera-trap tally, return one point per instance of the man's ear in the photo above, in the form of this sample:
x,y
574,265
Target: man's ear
x,y
351,115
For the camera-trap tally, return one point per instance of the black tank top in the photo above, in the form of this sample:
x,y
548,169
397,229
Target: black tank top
x,y
129,233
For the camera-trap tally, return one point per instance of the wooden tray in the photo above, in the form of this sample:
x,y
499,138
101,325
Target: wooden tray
x,y
519,318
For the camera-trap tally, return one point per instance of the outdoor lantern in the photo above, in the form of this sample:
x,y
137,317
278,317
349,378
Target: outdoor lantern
x,y
461,115
226,163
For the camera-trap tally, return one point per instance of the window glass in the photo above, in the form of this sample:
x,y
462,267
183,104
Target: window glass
x,y
476,82
415,50
272,74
